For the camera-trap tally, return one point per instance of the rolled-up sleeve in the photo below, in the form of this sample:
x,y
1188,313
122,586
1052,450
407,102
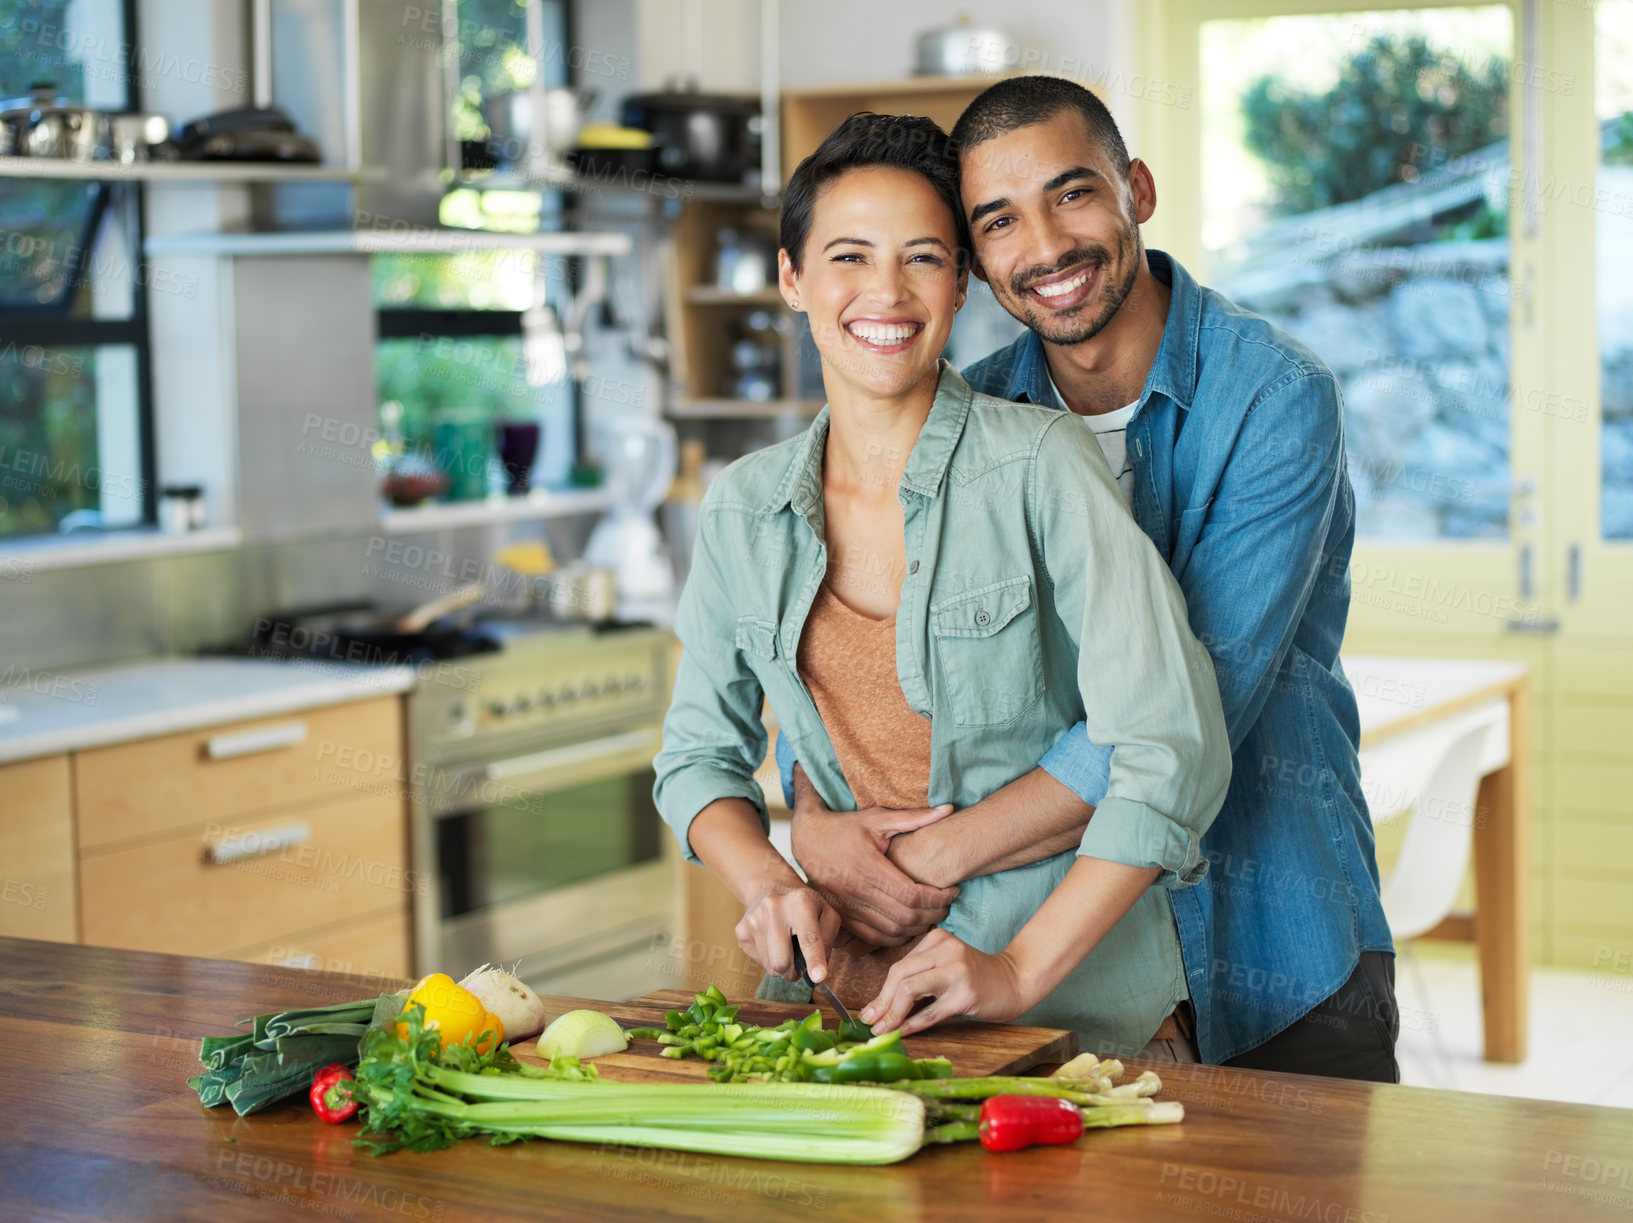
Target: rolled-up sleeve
x,y
1080,764
713,736
1148,687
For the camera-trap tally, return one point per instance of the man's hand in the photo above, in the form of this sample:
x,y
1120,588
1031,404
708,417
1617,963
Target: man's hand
x,y
1032,818
843,856
780,910
959,979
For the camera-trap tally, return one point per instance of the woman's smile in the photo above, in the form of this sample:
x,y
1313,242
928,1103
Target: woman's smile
x,y
884,335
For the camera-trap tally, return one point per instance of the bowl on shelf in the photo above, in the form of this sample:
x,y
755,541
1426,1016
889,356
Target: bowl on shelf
x,y
412,480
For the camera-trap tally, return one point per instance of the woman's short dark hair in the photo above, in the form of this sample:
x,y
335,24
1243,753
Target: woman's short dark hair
x,y
902,142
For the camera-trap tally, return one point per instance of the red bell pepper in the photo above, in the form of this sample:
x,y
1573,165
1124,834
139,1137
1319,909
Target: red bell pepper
x,y
1009,1123
331,1102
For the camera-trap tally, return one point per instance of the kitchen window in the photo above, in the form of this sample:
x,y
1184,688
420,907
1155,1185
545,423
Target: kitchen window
x,y
75,401
451,345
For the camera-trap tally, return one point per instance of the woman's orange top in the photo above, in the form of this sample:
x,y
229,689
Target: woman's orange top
x,y
848,661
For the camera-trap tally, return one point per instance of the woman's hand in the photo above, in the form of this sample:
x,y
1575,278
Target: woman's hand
x,y
959,979
783,909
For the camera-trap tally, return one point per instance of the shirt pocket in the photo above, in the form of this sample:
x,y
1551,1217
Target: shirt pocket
x,y
757,638
990,654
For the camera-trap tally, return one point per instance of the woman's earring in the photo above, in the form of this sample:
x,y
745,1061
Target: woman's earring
x,y
794,305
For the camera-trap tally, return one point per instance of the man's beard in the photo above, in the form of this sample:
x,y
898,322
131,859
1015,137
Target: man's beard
x,y
1088,319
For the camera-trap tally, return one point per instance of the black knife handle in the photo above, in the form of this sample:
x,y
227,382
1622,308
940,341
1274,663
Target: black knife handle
x,y
799,962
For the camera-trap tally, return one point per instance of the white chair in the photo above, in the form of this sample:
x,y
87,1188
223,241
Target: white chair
x,y
1433,775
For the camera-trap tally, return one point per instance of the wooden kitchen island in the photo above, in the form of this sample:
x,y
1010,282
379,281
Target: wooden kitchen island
x,y
98,1123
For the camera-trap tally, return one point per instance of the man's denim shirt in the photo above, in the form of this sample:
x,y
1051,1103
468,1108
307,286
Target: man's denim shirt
x,y
1237,447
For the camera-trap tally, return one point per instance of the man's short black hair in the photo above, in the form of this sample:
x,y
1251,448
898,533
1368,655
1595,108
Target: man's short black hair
x,y
1020,101
903,142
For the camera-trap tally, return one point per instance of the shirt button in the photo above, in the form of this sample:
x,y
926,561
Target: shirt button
x,y
913,568
981,617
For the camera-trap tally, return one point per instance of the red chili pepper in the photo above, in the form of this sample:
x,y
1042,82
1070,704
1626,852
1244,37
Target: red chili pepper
x,y
1009,1123
331,1102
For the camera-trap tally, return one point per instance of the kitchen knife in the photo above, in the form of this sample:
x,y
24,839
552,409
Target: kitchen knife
x,y
845,1020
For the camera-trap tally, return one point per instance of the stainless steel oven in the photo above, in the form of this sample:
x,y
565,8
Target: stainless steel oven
x,y
532,806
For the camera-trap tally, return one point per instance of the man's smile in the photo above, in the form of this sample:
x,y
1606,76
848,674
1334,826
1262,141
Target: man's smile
x,y
1065,289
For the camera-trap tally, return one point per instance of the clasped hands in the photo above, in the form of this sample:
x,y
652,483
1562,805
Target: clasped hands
x,y
869,873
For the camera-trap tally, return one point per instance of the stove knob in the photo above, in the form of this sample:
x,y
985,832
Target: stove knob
x,y
521,704
496,709
634,680
547,699
589,689
566,694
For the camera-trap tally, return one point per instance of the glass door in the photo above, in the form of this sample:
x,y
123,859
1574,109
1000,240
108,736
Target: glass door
x,y
1585,197
1438,200
1345,172
1587,190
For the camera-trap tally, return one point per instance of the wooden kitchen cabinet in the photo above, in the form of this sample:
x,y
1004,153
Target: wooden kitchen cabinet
x,y
132,791
371,951
278,840
300,868
37,851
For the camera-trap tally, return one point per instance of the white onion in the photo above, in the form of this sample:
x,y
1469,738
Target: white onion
x,y
518,1007
582,1034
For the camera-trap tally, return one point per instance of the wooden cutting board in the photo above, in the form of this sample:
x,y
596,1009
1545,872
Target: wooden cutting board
x,y
974,1048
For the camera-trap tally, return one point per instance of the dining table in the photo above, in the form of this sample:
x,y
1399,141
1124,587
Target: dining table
x,y
1414,715
96,1046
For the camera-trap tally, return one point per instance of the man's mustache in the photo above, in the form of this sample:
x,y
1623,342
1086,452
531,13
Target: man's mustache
x,y
1098,256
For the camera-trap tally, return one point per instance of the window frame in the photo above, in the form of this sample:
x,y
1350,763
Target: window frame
x,y
419,322
46,328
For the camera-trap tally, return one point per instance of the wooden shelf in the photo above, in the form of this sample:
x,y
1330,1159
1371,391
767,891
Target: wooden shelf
x,y
902,87
366,242
809,114
183,171
742,409
709,295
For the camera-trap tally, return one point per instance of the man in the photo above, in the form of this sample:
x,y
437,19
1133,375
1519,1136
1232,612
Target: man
x,y
1227,439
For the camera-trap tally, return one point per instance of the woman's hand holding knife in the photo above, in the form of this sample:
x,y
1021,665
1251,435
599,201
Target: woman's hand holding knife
x,y
778,904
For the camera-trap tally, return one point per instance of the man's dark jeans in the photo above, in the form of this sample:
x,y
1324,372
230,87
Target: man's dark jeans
x,y
1351,1035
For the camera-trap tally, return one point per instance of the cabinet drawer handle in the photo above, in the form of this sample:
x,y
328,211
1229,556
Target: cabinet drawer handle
x,y
249,742
237,846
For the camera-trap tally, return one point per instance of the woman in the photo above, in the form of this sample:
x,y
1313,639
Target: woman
x,y
928,585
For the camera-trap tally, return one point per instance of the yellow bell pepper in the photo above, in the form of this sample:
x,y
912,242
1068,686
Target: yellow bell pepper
x,y
456,1013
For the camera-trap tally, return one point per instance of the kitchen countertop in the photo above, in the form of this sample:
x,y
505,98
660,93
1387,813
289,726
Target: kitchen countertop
x,y
96,1045
46,712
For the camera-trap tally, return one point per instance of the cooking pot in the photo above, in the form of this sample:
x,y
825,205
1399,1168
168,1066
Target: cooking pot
x,y
521,141
44,126
964,49
131,137
711,138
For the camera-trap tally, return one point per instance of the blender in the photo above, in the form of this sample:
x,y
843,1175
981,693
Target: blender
x,y
639,464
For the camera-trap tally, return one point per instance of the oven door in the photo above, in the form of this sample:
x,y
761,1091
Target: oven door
x,y
555,860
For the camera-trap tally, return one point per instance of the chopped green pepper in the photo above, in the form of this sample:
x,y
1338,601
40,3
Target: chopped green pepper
x,y
869,1067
